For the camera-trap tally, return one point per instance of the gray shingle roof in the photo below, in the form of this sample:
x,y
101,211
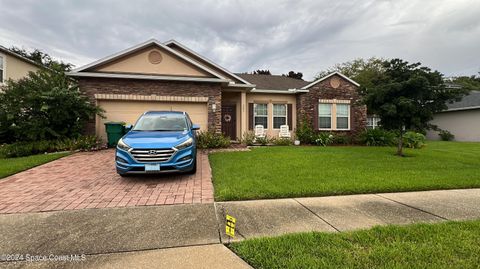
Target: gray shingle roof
x,y
274,82
469,101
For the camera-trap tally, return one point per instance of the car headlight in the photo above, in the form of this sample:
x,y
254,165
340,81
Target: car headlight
x,y
122,145
187,143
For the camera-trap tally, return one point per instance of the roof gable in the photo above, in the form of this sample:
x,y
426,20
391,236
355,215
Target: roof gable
x,y
149,58
20,57
140,62
330,75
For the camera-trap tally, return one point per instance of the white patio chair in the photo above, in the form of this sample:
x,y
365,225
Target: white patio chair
x,y
284,132
259,131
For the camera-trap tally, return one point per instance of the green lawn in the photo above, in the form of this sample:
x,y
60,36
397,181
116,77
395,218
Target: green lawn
x,y
11,166
275,172
444,245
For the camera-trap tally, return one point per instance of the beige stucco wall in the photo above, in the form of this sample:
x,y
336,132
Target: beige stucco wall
x,y
271,99
138,63
16,68
465,124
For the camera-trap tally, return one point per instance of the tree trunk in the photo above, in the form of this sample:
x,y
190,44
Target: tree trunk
x,y
400,143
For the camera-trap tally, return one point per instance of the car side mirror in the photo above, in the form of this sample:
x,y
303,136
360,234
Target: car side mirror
x,y
195,127
128,128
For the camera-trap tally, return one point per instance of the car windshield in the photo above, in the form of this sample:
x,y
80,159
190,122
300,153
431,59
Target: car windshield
x,y
161,122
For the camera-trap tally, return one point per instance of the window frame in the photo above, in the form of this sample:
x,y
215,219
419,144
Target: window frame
x,y
333,114
273,115
263,116
4,67
348,118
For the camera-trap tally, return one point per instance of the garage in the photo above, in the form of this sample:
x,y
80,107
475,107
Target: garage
x,y
129,111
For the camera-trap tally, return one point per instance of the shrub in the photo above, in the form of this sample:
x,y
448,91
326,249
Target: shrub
x,y
262,140
86,143
46,105
342,139
305,132
21,149
211,140
413,140
248,138
446,135
376,137
281,141
323,139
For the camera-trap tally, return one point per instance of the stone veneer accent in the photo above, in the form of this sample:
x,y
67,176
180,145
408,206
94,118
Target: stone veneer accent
x,y
323,90
136,97
107,88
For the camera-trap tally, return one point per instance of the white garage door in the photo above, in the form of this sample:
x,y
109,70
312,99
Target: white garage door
x,y
130,111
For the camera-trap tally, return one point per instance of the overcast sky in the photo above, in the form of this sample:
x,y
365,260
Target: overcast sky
x,y
305,36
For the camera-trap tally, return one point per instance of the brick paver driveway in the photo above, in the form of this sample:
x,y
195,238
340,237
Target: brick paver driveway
x,y
89,180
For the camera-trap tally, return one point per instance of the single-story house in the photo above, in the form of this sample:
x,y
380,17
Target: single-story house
x,y
461,119
170,76
14,66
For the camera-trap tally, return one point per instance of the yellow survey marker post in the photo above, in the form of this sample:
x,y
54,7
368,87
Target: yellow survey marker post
x,y
230,226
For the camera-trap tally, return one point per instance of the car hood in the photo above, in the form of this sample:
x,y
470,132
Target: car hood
x,y
137,139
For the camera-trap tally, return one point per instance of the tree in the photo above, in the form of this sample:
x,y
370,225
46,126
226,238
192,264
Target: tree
x,y
293,74
471,83
44,105
42,58
261,72
365,72
407,96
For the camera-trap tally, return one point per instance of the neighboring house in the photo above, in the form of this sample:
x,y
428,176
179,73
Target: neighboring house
x,y
14,66
170,76
461,119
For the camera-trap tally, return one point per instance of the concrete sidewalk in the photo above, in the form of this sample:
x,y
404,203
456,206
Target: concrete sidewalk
x,y
342,213
198,257
182,235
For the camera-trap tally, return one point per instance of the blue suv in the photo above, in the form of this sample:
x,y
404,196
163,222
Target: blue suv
x,y
159,142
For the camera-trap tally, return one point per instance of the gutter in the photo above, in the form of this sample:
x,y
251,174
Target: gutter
x,y
460,109
146,77
289,91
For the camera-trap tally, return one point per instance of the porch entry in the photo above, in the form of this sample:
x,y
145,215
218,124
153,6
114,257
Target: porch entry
x,y
229,121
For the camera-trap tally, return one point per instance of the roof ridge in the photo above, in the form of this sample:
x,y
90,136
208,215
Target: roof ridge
x,y
283,76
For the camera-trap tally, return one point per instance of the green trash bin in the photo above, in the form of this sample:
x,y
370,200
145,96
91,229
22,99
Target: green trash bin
x,y
115,131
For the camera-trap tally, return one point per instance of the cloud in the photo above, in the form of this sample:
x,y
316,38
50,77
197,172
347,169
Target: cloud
x,y
305,36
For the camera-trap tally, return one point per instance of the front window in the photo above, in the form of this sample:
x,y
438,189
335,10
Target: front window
x,y
343,116
334,115
1,69
260,114
279,115
161,122
325,116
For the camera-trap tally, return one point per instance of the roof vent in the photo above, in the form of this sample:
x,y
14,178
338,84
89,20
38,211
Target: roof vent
x,y
335,82
154,57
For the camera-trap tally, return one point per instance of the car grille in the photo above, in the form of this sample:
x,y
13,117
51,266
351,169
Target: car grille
x,y
152,155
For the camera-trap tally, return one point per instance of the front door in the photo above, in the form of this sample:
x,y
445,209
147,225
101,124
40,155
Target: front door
x,y
229,123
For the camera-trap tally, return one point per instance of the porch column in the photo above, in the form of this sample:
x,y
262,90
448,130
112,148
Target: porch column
x,y
243,113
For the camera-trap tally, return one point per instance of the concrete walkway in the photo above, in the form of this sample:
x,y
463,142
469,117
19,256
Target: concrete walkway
x,y
342,213
184,236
